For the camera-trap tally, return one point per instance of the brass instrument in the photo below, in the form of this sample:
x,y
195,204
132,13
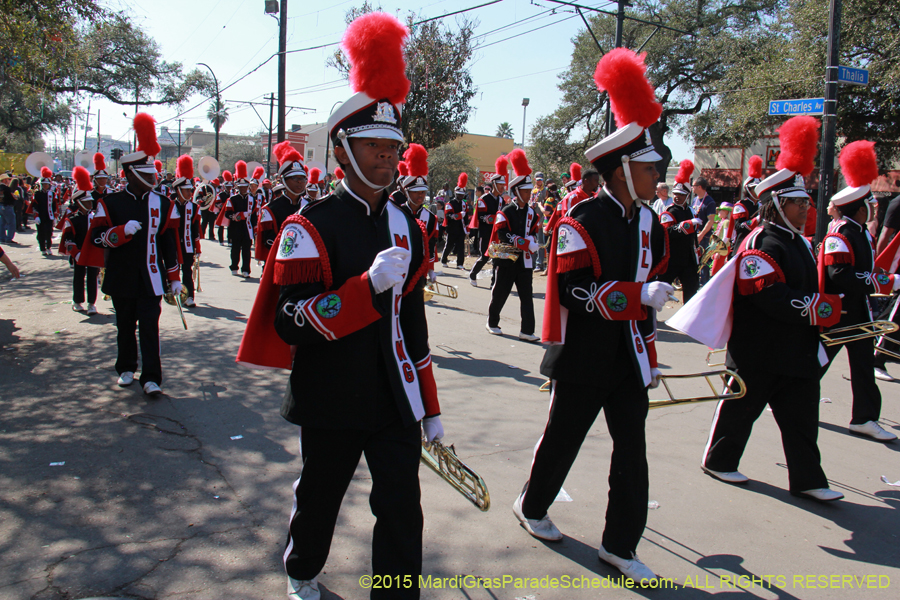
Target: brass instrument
x,y
204,196
440,289
35,161
100,278
504,251
177,300
860,331
545,387
443,461
717,246
195,273
709,357
727,377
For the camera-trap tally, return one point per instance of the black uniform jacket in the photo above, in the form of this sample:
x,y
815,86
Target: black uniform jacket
x,y
236,211
454,208
682,246
193,226
744,211
486,211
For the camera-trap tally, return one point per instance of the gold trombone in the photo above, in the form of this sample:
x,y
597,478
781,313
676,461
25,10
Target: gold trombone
x,y
440,289
726,378
714,353
443,461
716,246
195,273
860,331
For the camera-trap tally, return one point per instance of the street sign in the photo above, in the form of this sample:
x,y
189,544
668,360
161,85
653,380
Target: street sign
x,y
803,106
853,76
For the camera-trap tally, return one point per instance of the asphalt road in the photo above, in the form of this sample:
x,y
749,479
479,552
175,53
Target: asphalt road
x,y
104,492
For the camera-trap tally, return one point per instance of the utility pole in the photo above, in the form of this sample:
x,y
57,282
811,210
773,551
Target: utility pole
x,y
217,125
135,114
87,124
179,136
282,69
98,130
271,100
829,120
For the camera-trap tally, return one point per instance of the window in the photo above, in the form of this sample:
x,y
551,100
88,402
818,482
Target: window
x,y
310,154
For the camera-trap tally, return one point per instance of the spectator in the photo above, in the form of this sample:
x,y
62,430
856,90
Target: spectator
x,y
7,210
10,265
663,200
704,208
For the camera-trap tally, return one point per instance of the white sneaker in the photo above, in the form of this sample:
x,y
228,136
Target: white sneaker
x,y
528,337
189,303
883,375
823,494
243,274
493,330
152,389
543,529
92,310
77,307
473,282
234,272
303,589
727,476
873,430
633,569
126,379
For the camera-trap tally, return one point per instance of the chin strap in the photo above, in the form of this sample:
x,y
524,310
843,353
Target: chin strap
x,y
345,142
789,225
627,168
139,176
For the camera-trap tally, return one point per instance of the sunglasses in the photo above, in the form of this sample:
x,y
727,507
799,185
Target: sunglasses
x,y
799,201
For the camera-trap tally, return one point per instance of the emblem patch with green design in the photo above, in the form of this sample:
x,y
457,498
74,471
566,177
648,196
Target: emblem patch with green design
x,y
562,241
616,301
832,244
883,279
824,310
751,267
113,238
288,241
329,306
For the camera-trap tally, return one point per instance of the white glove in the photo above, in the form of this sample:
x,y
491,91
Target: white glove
x,y
532,245
132,227
698,222
655,294
432,278
896,282
433,429
176,287
389,268
37,220
655,374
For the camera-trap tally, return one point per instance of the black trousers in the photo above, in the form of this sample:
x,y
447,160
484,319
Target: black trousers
x,y
144,313
506,274
187,275
795,406
45,233
573,410
330,457
687,274
78,282
456,244
866,395
240,250
483,242
207,223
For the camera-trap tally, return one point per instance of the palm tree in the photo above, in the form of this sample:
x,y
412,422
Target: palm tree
x,y
217,120
504,130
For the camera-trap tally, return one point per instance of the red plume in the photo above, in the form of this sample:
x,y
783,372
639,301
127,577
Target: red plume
x,y
575,172
82,179
185,166
258,172
339,173
519,162
314,174
240,170
216,182
285,153
799,137
158,165
623,75
227,176
859,163
463,180
46,172
417,158
99,162
374,45
145,130
754,170
121,173
402,168
685,170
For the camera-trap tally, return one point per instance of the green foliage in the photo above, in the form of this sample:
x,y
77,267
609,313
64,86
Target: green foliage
x,y
504,130
217,120
446,162
230,152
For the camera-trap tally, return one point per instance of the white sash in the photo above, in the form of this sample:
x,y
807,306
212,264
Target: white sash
x,y
529,217
398,225
188,217
154,206
249,214
644,266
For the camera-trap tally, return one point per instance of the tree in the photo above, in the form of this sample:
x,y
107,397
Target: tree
x,y
217,120
232,151
446,162
685,69
437,64
504,130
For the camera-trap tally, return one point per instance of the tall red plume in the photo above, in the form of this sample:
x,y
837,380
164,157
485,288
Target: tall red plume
x,y
799,137
402,168
216,182
122,173
284,153
339,173
417,158
754,170
240,170
82,179
314,174
859,163
145,130
374,45
501,165
463,180
158,165
99,161
685,170
46,172
623,75
185,166
258,172
227,176
575,172
519,162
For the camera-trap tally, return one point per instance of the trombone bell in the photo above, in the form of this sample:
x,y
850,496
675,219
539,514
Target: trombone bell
x,y
443,461
860,331
725,379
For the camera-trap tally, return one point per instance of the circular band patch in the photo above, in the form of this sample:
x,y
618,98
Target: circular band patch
x,y
329,306
616,301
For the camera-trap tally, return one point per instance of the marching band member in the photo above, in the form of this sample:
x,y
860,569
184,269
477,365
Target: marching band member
x,y
135,228
584,188
345,288
774,342
238,210
483,217
515,225
398,196
286,199
682,226
312,187
846,265
188,224
415,186
74,231
219,205
256,196
43,204
454,215
208,215
602,335
100,177
748,206
555,212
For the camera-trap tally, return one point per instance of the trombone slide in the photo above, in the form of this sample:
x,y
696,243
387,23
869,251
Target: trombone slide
x,y
725,379
440,289
860,331
443,461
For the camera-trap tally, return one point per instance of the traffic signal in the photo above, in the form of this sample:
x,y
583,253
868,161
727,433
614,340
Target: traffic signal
x,y
116,153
